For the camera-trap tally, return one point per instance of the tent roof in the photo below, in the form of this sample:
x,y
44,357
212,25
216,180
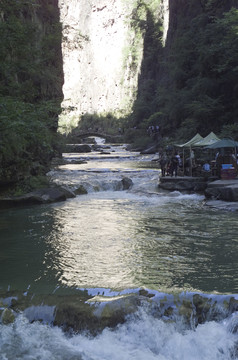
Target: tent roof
x,y
208,140
189,143
223,143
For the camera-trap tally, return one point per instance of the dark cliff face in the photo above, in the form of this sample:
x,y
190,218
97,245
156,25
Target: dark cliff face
x,y
48,18
193,86
183,11
31,79
31,59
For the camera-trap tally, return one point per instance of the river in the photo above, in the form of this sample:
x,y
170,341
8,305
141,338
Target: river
x,y
169,251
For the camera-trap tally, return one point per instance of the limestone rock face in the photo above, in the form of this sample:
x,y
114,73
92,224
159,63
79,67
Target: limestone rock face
x,y
95,53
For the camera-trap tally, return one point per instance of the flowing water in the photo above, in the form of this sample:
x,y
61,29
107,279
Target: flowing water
x,y
174,258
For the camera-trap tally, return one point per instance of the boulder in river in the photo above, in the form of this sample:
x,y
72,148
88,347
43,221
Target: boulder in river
x,y
41,196
7,317
126,183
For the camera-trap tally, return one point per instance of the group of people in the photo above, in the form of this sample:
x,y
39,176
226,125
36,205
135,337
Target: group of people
x,y
152,130
169,164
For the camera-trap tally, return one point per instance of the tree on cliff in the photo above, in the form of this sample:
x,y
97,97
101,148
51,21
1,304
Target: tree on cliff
x,y
30,86
196,76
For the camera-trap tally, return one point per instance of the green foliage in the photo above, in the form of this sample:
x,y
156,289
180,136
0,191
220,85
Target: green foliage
x,y
153,120
138,137
26,185
230,131
103,123
191,83
30,86
27,142
30,57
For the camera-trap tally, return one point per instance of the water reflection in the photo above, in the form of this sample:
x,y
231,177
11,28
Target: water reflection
x,y
23,246
119,239
123,243
93,243
194,250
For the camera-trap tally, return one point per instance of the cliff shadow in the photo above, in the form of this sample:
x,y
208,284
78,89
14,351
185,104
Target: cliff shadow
x,y
145,105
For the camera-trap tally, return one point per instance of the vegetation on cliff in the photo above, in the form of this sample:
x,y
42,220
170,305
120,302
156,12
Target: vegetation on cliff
x,y
30,86
190,85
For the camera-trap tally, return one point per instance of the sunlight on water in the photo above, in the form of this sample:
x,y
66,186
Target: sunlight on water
x,y
134,241
119,240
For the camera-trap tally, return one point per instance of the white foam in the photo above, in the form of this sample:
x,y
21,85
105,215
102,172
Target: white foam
x,y
142,337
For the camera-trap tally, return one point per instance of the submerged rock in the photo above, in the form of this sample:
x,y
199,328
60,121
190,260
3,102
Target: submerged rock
x,y
222,191
222,205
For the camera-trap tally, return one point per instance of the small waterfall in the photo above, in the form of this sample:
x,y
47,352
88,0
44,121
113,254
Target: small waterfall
x,y
99,140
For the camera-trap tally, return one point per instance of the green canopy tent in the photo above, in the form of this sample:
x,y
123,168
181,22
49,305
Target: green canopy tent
x,y
226,143
208,140
189,145
205,142
223,143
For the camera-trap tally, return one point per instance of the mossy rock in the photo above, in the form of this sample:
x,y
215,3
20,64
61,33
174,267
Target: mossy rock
x,y
7,317
80,190
186,309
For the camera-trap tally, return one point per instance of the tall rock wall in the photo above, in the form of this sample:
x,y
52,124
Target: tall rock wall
x,y
102,56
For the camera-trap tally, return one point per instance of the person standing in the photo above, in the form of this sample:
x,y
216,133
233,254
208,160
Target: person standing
x,y
174,164
163,163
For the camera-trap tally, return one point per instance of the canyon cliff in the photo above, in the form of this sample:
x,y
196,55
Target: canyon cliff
x,y
151,62
102,51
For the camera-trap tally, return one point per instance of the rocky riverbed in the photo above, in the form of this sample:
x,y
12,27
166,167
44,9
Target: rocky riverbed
x,y
219,193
